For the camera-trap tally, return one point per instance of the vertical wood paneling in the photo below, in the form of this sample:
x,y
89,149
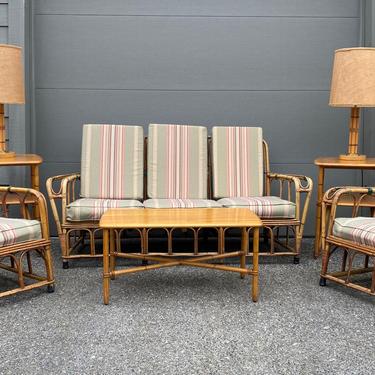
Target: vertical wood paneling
x,y
247,62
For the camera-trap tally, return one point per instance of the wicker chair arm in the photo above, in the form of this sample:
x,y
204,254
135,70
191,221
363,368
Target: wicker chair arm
x,y
350,196
26,197
65,192
302,183
302,187
60,180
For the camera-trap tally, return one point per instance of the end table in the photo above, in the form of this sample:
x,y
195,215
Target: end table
x,y
324,163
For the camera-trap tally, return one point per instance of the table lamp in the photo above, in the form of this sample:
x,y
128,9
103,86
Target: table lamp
x,y
353,85
12,89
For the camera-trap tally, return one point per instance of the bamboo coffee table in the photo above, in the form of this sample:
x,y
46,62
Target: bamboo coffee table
x,y
143,219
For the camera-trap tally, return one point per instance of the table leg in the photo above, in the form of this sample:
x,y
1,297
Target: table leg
x,y
255,264
112,258
318,222
35,185
244,246
106,273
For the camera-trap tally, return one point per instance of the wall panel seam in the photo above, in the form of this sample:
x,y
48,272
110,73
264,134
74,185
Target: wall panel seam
x,y
188,16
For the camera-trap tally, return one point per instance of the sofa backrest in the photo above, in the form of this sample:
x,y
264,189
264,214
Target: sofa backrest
x,y
177,161
237,161
112,162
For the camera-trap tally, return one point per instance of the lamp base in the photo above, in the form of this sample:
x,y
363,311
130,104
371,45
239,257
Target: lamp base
x,y
7,155
352,157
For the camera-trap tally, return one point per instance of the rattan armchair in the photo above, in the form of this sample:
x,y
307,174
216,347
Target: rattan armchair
x,y
354,235
22,237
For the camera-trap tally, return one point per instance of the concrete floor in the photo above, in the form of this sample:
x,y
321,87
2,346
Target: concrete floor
x,y
189,321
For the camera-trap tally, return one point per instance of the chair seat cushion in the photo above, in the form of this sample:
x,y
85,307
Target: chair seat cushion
x,y
180,203
90,209
360,230
13,231
264,207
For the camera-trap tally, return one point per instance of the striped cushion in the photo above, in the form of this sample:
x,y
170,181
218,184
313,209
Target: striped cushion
x,y
180,203
237,162
112,162
360,230
86,209
18,230
177,162
264,207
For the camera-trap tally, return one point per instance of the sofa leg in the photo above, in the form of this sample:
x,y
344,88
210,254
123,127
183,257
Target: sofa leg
x,y
65,264
322,281
50,288
296,260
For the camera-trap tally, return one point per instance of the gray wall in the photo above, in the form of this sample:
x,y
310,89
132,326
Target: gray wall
x,y
265,63
12,31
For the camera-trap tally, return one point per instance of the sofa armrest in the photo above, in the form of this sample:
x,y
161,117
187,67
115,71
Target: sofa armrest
x,y
61,189
289,182
26,199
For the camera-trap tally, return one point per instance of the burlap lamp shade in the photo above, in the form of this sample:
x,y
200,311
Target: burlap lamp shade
x,y
353,85
12,87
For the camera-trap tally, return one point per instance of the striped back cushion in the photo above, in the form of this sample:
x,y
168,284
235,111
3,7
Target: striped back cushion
x,y
112,162
237,161
177,162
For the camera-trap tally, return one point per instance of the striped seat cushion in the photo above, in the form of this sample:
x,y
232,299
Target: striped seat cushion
x,y
237,161
112,162
177,162
180,203
87,209
264,207
360,230
13,231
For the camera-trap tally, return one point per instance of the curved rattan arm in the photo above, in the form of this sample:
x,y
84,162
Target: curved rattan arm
x,y
301,184
23,197
354,197
65,192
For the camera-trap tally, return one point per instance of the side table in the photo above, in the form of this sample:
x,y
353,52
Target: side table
x,y
31,160
324,163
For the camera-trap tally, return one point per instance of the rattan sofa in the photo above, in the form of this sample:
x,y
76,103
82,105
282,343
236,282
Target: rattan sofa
x,y
171,168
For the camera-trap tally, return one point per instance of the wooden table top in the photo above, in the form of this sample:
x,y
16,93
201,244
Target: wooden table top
x,y
22,159
335,162
179,218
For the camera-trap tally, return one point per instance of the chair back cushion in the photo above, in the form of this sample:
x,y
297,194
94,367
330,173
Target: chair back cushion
x,y
237,161
112,162
177,162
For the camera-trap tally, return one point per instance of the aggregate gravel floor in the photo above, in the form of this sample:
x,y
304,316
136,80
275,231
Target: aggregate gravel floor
x,y
188,321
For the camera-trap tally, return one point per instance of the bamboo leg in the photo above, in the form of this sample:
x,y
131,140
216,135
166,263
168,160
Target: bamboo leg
x,y
318,221
112,257
366,261
29,264
35,185
325,260
21,281
170,236
106,274
344,258
220,240
244,247
373,281
255,275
